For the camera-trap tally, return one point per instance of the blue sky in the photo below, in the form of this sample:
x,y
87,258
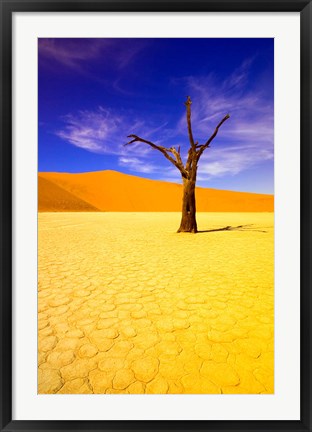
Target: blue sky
x,y
95,92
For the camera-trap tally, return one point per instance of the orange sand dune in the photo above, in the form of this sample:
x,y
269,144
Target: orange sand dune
x,y
55,198
115,191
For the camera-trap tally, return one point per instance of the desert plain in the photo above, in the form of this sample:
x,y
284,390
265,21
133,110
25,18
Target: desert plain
x,y
127,305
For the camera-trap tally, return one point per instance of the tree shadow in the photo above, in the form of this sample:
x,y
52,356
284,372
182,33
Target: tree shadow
x,y
233,228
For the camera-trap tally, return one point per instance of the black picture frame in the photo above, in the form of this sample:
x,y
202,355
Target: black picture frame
x,y
8,7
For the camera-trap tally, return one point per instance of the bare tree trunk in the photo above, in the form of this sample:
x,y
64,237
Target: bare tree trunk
x,y
188,171
188,221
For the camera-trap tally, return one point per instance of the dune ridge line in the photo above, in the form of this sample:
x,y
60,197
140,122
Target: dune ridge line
x,y
115,191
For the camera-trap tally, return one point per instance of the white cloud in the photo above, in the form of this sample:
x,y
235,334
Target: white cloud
x,y
230,161
244,140
104,131
137,165
75,53
92,130
71,53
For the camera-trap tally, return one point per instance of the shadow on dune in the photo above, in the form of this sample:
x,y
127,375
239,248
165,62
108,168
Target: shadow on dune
x,y
232,228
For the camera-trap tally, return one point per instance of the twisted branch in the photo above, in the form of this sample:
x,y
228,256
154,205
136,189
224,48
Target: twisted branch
x,y
203,147
177,162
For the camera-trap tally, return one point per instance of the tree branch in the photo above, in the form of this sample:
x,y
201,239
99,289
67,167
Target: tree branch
x,y
203,147
177,163
177,155
188,104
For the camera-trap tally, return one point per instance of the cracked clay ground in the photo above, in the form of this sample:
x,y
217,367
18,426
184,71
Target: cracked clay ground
x,y
126,305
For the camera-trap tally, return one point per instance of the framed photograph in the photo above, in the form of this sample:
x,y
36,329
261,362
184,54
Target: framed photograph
x,y
155,217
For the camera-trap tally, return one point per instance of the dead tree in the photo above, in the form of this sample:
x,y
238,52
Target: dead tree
x,y
188,170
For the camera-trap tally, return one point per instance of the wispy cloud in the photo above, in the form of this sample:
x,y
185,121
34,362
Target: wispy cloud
x,y
137,165
104,131
76,53
231,161
71,52
239,77
245,140
94,131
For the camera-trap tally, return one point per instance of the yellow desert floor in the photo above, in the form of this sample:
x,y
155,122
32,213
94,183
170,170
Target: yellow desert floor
x,y
127,305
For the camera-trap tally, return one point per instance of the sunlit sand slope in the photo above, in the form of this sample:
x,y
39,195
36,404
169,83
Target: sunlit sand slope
x,y
126,305
114,191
